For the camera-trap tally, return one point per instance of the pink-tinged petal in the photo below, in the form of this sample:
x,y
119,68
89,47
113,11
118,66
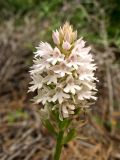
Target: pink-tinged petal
x,y
55,37
55,56
64,109
44,49
73,91
72,107
66,89
67,37
66,45
80,42
60,96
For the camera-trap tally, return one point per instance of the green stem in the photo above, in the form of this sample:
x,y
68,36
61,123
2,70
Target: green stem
x,y
58,145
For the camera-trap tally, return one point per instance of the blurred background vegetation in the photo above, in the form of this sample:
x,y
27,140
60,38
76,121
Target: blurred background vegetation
x,y
58,11
23,24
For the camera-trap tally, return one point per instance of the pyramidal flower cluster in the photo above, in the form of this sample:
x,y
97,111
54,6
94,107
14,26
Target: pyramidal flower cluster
x,y
63,75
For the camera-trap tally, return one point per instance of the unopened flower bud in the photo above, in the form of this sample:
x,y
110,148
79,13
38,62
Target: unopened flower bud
x,y
55,37
66,45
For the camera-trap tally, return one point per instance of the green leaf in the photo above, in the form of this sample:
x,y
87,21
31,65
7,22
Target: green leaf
x,y
64,124
55,114
50,127
71,135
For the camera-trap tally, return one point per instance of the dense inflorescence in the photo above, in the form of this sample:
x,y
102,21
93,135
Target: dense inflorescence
x,y
64,75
